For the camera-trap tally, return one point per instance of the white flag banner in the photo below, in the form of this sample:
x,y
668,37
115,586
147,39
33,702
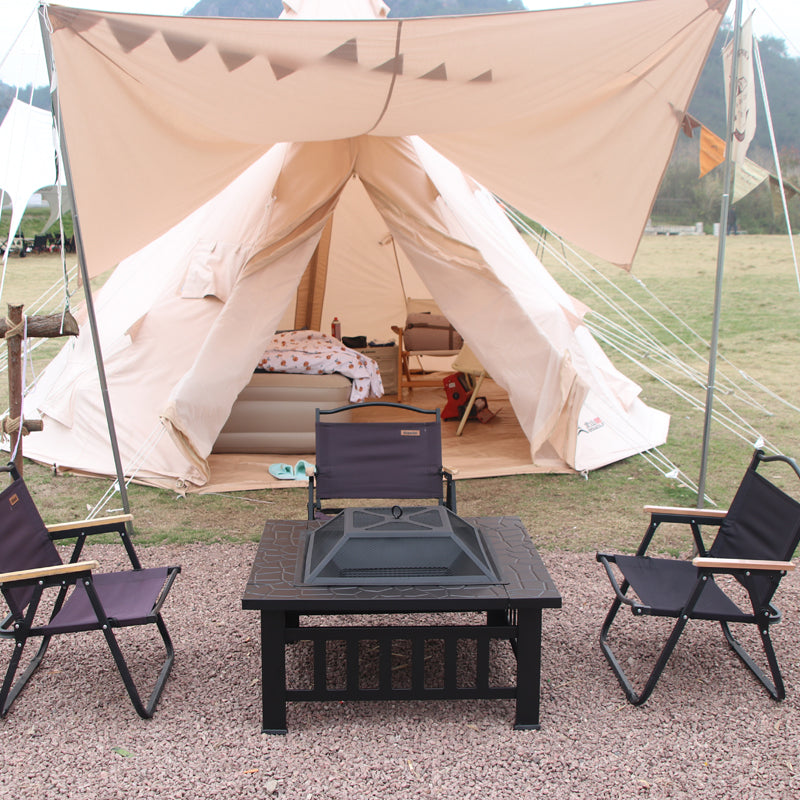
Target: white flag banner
x,y
744,127
748,176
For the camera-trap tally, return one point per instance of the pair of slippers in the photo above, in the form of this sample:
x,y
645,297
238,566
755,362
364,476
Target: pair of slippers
x,y
286,472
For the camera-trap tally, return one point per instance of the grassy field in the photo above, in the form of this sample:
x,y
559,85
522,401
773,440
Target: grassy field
x,y
759,338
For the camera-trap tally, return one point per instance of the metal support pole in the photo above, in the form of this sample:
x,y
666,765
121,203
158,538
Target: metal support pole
x,y
98,353
723,229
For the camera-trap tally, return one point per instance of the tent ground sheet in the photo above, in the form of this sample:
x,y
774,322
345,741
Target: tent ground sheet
x,y
491,449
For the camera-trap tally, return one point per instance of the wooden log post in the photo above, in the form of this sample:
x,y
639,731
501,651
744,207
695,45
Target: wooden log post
x,y
13,330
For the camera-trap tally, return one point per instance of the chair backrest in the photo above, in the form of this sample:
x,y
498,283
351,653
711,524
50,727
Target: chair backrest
x,y
379,459
24,540
763,522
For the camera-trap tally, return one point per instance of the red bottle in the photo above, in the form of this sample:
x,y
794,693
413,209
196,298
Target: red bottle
x,y
336,328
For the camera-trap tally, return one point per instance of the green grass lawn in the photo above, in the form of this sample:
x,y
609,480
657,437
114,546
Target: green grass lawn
x,y
32,222
759,335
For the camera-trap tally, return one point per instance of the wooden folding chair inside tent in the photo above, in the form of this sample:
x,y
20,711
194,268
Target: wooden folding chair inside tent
x,y
426,332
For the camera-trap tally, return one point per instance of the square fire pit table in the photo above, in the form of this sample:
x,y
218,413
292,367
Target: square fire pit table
x,y
513,608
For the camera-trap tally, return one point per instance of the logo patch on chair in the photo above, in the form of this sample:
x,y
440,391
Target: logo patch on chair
x,y
409,432
13,500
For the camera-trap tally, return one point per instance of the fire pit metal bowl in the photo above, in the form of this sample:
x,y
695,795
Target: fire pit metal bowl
x,y
397,546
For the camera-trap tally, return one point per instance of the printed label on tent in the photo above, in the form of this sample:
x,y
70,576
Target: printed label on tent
x,y
591,425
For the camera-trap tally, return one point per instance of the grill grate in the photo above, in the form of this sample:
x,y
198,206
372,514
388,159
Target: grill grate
x,y
394,572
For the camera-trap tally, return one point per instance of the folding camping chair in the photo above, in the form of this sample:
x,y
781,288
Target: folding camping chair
x,y
47,597
427,332
389,460
756,538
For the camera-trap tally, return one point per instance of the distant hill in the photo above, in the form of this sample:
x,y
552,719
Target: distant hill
x,y
399,8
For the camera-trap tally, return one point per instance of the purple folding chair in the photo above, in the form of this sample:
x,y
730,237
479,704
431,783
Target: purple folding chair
x,y
46,596
388,460
756,539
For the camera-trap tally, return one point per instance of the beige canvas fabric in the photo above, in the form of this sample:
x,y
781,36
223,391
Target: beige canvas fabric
x,y
547,109
185,321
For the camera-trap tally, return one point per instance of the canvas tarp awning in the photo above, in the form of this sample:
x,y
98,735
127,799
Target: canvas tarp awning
x,y
171,125
546,109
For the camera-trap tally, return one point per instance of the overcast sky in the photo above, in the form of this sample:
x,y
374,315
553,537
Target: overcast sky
x,y
772,17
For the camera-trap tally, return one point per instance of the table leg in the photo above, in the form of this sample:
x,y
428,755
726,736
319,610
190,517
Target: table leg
x,y
273,672
529,668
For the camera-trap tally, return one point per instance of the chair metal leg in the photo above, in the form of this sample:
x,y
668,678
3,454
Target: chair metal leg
x,y
20,633
626,685
775,687
637,698
10,690
146,712
634,697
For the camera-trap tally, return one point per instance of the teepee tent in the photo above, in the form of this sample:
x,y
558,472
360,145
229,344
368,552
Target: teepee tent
x,y
193,111
27,157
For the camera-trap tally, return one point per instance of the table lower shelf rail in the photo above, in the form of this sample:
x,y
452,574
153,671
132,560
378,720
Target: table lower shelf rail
x,y
326,662
411,680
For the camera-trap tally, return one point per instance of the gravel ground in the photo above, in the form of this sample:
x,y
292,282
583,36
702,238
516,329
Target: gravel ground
x,y
74,734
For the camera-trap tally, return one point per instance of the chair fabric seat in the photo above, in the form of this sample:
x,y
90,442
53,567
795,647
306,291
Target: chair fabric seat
x,y
665,586
128,598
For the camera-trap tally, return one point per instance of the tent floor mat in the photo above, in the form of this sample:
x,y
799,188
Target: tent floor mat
x,y
492,449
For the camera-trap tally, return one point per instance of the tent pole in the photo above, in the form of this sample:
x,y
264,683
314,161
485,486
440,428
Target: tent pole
x,y
98,353
723,230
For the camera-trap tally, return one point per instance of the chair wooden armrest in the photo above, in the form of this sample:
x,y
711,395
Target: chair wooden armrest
x,y
698,513
705,562
47,572
88,524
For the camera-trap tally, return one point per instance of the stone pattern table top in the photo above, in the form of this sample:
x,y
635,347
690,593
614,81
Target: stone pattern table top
x,y
275,582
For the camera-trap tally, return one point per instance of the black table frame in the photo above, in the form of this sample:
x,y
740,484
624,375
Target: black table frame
x,y
513,612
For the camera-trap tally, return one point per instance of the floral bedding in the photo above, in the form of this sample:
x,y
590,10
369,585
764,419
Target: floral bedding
x,y
317,354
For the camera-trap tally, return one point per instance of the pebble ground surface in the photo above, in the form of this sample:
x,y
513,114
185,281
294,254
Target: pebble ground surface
x,y
708,731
